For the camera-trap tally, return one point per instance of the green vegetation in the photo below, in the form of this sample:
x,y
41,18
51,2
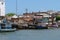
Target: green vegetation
x,y
57,18
10,14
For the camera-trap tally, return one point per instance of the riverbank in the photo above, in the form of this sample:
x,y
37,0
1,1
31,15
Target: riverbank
x,y
38,29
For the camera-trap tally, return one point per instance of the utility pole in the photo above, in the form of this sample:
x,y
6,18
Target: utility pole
x,y
16,6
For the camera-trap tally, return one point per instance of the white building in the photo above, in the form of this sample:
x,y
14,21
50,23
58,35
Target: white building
x,y
2,7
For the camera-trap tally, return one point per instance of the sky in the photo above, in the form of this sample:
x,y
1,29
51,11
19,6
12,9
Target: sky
x,y
31,5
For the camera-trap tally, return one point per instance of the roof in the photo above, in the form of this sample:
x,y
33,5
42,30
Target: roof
x,y
14,16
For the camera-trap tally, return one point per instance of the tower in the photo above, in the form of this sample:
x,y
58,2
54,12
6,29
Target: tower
x,y
2,7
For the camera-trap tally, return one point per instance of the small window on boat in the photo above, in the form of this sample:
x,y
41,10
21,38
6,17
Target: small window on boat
x,y
2,26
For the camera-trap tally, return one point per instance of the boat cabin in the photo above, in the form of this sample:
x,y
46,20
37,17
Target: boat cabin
x,y
5,26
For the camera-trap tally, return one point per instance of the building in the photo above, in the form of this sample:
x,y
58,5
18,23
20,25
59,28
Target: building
x,y
28,16
52,18
42,17
2,7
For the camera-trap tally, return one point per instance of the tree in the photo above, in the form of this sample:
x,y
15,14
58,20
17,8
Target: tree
x,y
57,18
10,14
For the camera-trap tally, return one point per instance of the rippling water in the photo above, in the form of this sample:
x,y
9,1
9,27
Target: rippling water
x,y
46,34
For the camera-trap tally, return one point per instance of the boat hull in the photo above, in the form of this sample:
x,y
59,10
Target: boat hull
x,y
7,30
40,27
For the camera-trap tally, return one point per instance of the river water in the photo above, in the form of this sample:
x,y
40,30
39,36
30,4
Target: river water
x,y
46,34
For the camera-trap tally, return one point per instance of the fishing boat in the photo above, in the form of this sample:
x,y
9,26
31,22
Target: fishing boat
x,y
6,26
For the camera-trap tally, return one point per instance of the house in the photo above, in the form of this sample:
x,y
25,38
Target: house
x,y
52,18
21,19
42,17
28,16
15,19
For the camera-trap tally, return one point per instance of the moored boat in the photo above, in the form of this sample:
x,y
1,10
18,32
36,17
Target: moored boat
x,y
7,30
6,27
41,27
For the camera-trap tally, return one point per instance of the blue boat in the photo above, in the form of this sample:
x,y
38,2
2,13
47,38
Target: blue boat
x,y
41,27
41,23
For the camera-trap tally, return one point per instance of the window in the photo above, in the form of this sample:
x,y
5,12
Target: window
x,y
2,3
3,26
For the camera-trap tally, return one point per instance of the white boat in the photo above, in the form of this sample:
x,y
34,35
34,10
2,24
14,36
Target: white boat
x,y
7,30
